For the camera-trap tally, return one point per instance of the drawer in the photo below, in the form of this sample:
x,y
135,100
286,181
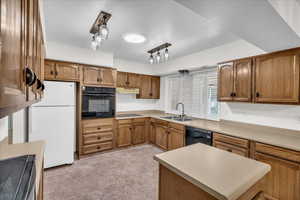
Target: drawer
x,y
161,122
97,129
278,152
97,147
97,137
98,122
139,120
124,121
231,140
231,148
177,126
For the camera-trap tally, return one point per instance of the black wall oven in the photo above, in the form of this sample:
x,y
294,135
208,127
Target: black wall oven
x,y
98,102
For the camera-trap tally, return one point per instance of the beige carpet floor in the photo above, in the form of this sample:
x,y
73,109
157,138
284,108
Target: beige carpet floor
x,y
129,174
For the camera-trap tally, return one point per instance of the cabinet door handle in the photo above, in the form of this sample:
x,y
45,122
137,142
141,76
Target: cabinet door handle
x,y
30,77
99,137
56,73
98,147
99,128
231,94
234,94
257,94
97,79
229,150
51,72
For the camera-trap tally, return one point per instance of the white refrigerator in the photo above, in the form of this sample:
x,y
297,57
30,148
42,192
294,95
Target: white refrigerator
x,y
53,120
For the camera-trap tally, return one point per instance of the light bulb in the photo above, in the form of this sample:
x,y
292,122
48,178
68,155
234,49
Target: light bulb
x,y
94,44
103,31
166,54
158,57
98,38
151,60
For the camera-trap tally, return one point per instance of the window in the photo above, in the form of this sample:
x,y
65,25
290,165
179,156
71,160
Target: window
x,y
198,92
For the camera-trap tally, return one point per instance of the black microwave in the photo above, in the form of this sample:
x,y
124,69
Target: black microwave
x,y
98,102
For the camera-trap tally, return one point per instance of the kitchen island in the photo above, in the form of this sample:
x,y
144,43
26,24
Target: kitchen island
x,y
203,172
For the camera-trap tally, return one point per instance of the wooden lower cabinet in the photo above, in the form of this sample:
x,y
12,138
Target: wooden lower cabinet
x,y
176,139
139,133
124,136
131,131
231,144
283,181
96,135
161,136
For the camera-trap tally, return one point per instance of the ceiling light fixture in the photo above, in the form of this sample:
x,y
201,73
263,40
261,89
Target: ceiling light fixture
x,y
134,38
158,57
100,30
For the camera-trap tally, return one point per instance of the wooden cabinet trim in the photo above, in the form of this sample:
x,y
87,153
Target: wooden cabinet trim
x,y
231,140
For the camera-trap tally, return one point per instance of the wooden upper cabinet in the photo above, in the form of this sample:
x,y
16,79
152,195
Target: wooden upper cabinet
x,y
12,85
242,90
91,75
122,79
67,71
155,87
277,77
134,80
108,77
61,71
145,87
49,71
128,80
225,84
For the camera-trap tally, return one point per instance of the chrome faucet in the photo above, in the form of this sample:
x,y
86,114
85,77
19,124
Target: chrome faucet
x,y
182,111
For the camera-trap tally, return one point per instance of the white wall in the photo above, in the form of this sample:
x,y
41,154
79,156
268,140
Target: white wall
x,y
209,57
131,66
64,52
281,116
3,128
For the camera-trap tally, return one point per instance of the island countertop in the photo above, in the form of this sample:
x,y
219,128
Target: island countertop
x,y
224,175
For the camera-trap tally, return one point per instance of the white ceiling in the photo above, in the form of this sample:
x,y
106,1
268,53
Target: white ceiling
x,y
190,25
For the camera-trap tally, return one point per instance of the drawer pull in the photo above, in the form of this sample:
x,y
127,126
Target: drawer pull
x,y
99,128
98,147
99,137
229,150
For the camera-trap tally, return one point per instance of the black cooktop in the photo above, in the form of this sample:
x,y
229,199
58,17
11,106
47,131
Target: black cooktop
x,y
17,178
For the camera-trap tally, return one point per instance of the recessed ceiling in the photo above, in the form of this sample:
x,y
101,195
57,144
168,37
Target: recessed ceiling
x,y
190,25
69,21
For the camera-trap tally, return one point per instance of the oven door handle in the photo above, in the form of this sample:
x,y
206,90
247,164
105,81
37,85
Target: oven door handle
x,y
100,95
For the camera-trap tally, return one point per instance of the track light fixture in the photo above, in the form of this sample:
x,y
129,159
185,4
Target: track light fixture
x,y
100,30
158,58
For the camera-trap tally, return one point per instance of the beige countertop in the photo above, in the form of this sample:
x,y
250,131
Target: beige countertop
x,y
32,148
289,139
224,175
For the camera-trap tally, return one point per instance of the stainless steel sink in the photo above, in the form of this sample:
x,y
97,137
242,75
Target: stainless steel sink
x,y
177,118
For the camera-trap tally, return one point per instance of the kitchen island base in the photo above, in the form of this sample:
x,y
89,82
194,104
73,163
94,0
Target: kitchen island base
x,y
174,187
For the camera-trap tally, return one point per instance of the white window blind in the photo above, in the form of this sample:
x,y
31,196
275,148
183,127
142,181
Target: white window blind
x,y
198,92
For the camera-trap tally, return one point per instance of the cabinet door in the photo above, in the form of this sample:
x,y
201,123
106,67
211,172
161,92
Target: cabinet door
x,y
49,70
124,135
134,80
122,79
91,76
138,134
108,77
155,87
145,87
283,181
225,84
277,78
12,85
152,134
67,71
242,80
161,136
175,139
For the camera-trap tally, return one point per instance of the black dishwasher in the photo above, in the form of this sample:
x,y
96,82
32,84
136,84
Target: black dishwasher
x,y
17,178
197,135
